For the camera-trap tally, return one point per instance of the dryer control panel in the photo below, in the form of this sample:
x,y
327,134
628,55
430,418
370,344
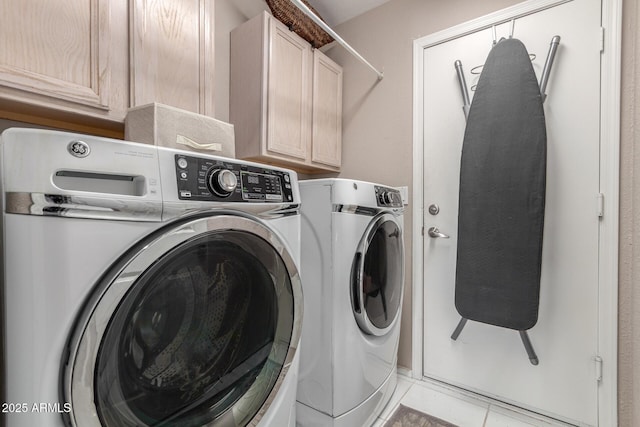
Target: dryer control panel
x,y
388,197
216,180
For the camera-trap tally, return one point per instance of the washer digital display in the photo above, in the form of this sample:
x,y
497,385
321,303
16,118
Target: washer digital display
x,y
259,186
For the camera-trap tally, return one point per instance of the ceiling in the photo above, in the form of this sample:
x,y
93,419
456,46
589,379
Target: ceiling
x,y
335,12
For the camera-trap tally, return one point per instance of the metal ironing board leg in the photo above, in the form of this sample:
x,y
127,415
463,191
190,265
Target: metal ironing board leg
x,y
456,332
548,64
533,358
463,89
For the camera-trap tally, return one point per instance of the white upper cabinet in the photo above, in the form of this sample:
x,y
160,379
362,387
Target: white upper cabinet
x,y
327,111
285,98
288,93
95,58
59,53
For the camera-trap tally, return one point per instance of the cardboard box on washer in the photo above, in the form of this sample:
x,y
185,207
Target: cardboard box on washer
x,y
167,126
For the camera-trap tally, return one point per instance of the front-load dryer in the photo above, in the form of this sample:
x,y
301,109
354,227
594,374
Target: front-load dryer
x,y
352,275
145,286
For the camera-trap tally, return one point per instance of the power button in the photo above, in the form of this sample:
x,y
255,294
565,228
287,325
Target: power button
x,y
182,163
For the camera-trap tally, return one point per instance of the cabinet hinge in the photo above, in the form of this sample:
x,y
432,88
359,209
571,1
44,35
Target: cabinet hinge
x,y
600,205
598,361
601,39
423,230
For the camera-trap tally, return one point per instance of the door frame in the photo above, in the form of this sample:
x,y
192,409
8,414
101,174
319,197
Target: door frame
x,y
609,186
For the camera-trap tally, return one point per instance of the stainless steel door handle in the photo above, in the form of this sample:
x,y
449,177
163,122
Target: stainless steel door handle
x,y
434,232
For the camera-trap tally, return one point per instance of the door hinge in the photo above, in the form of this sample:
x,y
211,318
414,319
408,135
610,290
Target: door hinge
x,y
423,230
598,361
600,205
601,39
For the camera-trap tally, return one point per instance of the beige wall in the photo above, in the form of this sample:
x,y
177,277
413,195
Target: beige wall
x,y
377,134
629,287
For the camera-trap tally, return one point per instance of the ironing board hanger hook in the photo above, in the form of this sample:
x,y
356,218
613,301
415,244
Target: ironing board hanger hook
x,y
463,88
513,25
495,38
548,64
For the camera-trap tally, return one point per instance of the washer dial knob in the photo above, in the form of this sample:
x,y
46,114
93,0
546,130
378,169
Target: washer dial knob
x,y
222,182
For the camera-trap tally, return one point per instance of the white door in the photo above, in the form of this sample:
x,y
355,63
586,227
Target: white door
x,y
488,359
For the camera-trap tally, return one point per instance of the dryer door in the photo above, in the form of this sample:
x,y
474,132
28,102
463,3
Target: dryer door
x,y
195,327
378,275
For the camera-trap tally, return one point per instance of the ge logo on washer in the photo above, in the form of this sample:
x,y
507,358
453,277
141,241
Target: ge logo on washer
x,y
79,148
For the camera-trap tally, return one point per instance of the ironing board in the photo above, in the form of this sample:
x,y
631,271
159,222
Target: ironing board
x,y
502,196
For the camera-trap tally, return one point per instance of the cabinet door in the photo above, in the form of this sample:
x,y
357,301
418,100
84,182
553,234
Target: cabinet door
x,y
289,93
326,140
56,49
172,54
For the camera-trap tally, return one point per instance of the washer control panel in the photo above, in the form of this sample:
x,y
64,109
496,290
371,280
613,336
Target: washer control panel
x,y
388,197
216,180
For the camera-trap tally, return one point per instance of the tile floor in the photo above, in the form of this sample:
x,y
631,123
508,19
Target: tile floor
x,y
459,408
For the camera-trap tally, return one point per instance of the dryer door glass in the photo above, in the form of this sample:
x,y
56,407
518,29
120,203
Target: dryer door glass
x,y
199,337
378,276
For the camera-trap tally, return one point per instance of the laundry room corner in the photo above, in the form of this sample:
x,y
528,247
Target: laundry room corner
x,y
264,281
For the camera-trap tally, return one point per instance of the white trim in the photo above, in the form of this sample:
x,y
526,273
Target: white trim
x,y
609,185
418,213
609,226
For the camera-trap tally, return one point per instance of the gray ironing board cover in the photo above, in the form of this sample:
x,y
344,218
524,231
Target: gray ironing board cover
x,y
502,194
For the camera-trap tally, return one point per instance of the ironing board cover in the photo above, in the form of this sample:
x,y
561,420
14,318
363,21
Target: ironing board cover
x,y
502,194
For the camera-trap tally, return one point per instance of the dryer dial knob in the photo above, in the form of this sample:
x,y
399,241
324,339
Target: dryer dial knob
x,y
222,182
390,198
385,198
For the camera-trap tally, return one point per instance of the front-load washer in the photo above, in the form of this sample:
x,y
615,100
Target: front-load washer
x,y
146,286
353,274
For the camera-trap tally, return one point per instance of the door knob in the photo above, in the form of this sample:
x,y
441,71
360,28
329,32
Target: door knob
x,y
434,232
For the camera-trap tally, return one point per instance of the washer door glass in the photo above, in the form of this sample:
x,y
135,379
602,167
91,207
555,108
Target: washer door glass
x,y
199,338
378,276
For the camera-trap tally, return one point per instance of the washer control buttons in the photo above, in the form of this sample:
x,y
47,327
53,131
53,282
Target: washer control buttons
x,y
182,163
211,179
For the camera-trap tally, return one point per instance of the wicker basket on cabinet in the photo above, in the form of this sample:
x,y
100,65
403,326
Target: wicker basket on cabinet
x,y
289,14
